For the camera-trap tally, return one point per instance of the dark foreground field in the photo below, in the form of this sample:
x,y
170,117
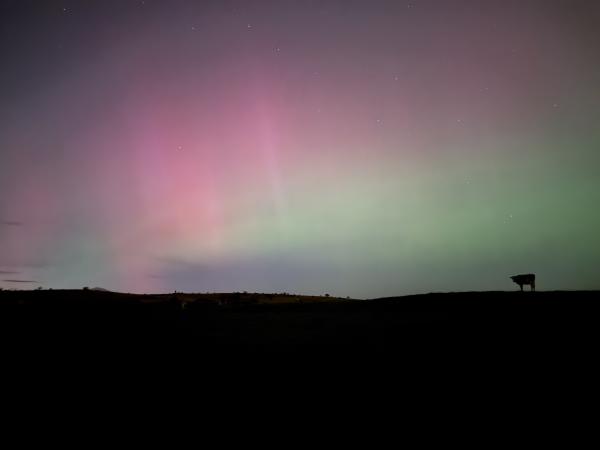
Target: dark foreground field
x,y
244,323
245,349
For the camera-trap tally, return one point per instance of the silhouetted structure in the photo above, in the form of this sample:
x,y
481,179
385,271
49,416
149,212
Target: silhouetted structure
x,y
528,278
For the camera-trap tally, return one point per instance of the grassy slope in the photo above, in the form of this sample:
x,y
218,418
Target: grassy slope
x,y
274,320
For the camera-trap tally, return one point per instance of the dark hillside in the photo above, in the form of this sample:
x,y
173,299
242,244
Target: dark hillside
x,y
278,322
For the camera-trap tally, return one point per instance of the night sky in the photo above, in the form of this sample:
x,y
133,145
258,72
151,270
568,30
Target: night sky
x,y
357,148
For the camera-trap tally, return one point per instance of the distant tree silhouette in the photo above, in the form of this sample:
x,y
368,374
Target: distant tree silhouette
x,y
525,279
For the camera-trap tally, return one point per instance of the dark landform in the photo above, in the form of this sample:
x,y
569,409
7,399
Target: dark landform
x,y
234,353
284,323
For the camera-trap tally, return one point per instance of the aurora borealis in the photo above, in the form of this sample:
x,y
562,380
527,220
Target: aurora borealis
x,y
359,148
